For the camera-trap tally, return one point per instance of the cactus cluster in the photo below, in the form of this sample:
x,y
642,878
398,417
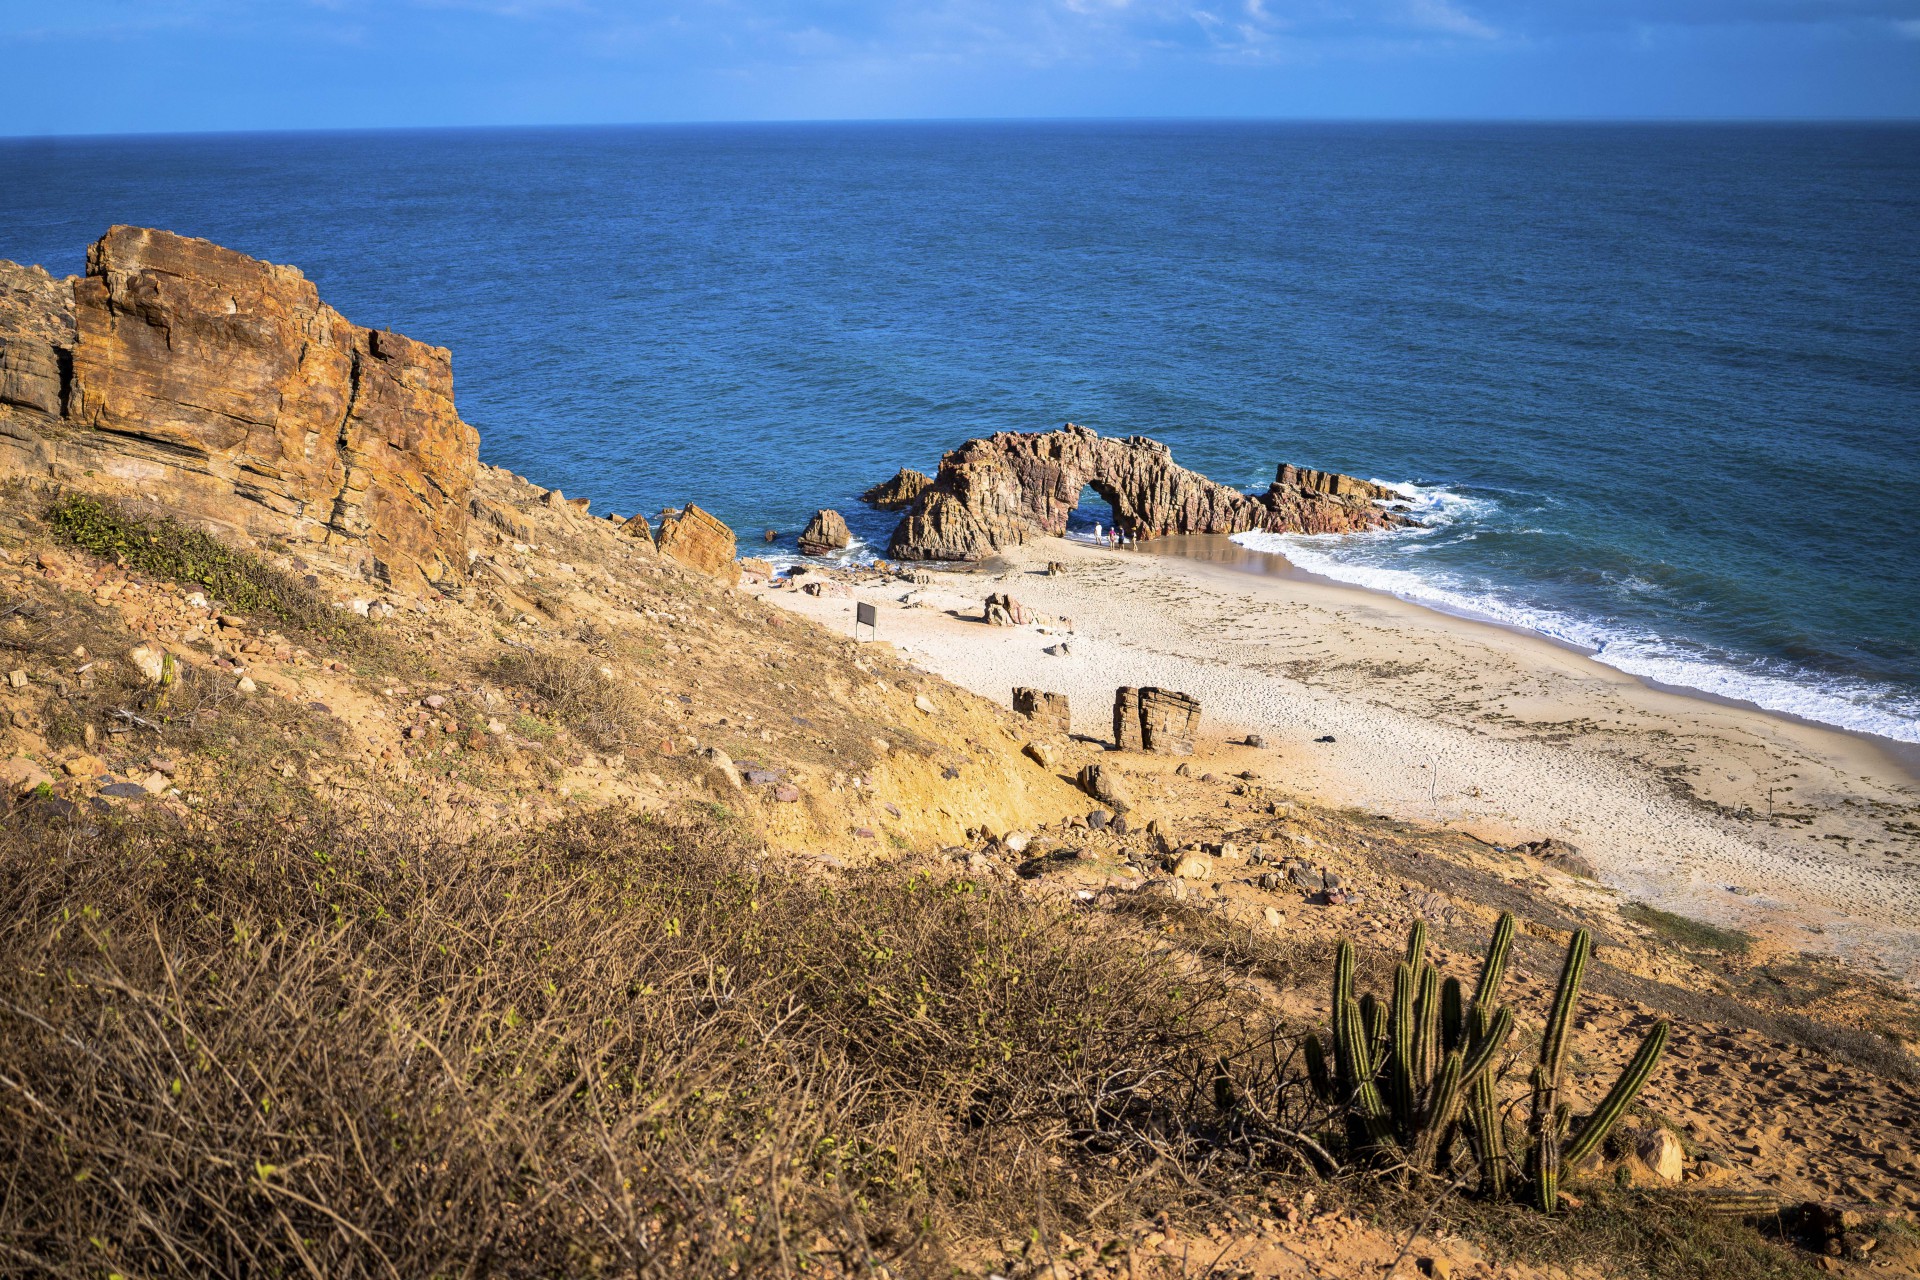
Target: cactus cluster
x,y
1410,1077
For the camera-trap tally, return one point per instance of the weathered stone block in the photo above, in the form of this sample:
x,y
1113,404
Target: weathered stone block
x,y
1126,719
1048,709
1168,722
1156,720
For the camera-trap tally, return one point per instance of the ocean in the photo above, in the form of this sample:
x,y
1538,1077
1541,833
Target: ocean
x,y
1656,388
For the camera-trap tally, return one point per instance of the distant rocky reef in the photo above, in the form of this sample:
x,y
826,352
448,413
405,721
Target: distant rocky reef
x,y
221,389
1002,490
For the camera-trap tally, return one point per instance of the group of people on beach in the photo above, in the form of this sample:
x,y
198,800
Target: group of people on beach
x,y
1112,537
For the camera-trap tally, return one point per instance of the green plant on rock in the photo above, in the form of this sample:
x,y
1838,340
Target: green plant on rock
x,y
1411,1077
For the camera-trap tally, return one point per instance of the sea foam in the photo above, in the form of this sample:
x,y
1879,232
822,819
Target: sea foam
x,y
1776,686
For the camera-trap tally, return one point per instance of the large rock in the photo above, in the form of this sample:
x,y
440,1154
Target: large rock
x,y
1002,610
1048,709
1106,786
221,389
898,493
1168,722
700,541
1156,720
1126,719
1007,488
824,534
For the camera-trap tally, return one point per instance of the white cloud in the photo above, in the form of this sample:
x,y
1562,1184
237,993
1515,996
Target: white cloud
x,y
1438,15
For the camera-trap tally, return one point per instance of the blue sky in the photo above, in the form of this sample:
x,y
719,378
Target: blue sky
x,y
91,66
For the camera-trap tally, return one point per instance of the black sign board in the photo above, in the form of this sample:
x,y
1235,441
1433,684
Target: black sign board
x,y
865,615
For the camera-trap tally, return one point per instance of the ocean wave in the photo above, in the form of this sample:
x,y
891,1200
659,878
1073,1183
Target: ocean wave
x,y
1437,506
1833,700
855,555
1854,705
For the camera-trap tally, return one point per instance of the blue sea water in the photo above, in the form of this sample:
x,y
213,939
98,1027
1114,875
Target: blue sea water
x,y
1657,386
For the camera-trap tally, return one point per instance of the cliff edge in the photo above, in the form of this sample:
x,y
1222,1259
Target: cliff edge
x,y
223,389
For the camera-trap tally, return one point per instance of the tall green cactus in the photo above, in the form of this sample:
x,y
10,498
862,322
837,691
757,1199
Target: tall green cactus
x,y
1554,1150
1408,1075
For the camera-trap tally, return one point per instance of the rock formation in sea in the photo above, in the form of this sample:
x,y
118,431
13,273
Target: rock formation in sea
x,y
1004,489
898,493
220,389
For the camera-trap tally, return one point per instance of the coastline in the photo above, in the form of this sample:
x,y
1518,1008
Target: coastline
x,y
1902,757
1456,721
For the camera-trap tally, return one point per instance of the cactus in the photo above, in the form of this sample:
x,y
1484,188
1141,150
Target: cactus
x,y
1411,1074
1553,1151
1400,1071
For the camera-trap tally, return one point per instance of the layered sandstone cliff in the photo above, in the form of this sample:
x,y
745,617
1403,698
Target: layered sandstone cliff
x,y
1006,488
223,390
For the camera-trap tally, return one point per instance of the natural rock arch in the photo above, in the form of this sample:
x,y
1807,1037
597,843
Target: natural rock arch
x,y
1003,489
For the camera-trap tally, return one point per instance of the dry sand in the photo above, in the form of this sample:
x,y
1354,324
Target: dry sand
x,y
1455,722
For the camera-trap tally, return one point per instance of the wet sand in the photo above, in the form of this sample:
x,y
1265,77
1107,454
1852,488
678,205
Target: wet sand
x,y
1456,721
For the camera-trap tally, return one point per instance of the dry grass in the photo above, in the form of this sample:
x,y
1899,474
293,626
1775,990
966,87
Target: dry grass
x,y
295,1044
280,1045
602,712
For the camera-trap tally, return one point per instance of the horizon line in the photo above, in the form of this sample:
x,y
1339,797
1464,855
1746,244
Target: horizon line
x,y
1534,121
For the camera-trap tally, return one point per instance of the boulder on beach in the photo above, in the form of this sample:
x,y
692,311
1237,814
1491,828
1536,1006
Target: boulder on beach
x,y
1002,610
1050,709
1160,721
824,534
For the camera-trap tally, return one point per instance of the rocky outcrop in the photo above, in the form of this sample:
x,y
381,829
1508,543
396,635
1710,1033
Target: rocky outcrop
x,y
221,389
637,527
898,493
1332,484
824,534
1002,490
1106,785
698,540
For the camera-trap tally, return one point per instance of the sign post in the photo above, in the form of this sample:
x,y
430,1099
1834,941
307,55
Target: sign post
x,y
865,615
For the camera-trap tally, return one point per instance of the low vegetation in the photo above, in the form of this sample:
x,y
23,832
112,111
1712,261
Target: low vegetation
x,y
293,1042
164,548
1695,935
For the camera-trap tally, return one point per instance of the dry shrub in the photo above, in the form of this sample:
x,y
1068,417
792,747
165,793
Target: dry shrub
x,y
603,713
298,1044
277,1045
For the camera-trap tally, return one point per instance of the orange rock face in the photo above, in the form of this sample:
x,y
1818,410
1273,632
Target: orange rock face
x,y
700,541
221,389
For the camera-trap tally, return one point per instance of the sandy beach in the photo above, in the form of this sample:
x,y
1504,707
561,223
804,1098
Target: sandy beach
x,y
1807,836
